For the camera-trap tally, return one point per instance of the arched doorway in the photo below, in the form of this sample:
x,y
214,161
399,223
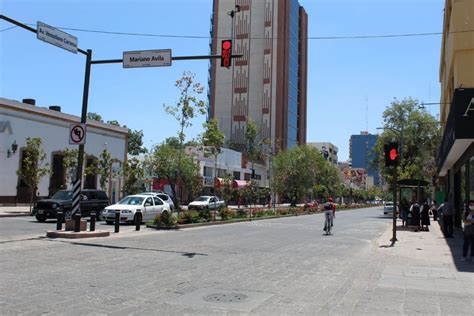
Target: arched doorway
x,y
57,180
91,179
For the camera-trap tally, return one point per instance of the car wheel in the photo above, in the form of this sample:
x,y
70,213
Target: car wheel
x,y
137,217
109,222
41,218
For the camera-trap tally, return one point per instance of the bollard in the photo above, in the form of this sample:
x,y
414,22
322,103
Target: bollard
x,y
117,221
77,222
138,217
92,227
59,221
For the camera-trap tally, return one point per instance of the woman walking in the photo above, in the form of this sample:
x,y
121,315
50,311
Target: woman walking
x,y
434,210
425,216
468,220
415,215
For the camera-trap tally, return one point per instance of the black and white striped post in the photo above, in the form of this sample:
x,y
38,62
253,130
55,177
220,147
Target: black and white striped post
x,y
76,197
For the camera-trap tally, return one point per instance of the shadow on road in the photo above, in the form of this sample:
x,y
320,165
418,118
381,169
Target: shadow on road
x,y
185,254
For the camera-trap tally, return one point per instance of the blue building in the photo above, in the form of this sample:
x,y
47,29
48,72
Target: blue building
x,y
362,153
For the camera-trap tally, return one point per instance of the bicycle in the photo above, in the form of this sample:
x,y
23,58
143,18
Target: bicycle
x,y
328,223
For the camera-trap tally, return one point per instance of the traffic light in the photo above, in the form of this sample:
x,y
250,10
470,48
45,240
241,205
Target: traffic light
x,y
226,53
391,154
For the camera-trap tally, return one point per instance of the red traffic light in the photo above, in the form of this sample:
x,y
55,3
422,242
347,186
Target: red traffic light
x,y
226,53
393,154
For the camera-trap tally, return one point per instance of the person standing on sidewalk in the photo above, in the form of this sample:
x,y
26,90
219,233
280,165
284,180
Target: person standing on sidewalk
x,y
468,219
447,209
425,216
415,215
434,210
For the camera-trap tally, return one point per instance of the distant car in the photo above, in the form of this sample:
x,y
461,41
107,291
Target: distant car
x,y
91,200
165,197
136,207
388,208
206,202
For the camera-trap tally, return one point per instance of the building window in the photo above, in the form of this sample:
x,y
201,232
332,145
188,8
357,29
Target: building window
x,y
57,178
236,175
207,171
247,176
91,178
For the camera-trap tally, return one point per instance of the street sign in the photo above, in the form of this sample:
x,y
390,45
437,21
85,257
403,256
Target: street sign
x,y
56,37
77,134
147,58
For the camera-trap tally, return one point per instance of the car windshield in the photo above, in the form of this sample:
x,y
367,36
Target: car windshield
x,y
63,195
131,200
202,199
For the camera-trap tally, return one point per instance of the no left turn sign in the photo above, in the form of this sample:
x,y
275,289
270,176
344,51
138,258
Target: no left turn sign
x,y
77,134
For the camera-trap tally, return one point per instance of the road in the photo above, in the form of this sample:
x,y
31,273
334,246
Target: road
x,y
281,266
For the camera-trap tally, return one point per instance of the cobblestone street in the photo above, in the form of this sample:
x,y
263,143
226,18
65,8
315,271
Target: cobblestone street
x,y
272,267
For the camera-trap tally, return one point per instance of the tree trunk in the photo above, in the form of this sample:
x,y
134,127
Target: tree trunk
x,y
33,194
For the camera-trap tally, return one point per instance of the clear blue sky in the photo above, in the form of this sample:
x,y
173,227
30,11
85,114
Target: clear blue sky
x,y
342,74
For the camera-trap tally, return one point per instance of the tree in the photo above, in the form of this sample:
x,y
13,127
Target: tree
x,y
133,173
134,139
212,140
421,139
187,107
70,163
33,167
94,117
164,162
102,167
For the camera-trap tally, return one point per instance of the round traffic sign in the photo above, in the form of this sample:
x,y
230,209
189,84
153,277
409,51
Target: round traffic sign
x,y
77,134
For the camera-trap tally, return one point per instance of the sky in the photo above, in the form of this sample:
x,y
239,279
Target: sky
x,y
350,81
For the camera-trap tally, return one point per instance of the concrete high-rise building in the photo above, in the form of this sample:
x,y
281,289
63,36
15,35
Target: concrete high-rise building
x,y
328,150
361,152
268,84
456,75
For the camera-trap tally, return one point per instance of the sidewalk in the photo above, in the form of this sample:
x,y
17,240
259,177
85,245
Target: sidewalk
x,y
13,211
424,273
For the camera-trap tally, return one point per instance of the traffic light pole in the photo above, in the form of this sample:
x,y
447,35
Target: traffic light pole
x,y
394,228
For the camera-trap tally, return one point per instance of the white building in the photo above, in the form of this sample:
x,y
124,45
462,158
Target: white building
x,y
19,121
329,151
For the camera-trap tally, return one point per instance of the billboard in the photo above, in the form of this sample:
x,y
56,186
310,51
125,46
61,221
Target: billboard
x,y
355,177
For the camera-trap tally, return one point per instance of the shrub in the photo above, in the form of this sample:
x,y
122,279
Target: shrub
x,y
190,217
241,213
204,215
165,220
226,214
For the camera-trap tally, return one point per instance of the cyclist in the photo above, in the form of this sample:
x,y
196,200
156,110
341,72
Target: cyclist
x,y
330,213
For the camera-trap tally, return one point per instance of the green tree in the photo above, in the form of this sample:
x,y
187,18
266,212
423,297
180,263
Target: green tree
x,y
33,166
186,109
212,140
133,173
70,163
102,167
421,139
94,117
164,162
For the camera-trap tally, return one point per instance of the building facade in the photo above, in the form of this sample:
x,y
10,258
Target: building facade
x,y
268,84
362,153
456,73
19,120
328,150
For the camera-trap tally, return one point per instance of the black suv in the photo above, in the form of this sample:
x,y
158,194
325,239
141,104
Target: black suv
x,y
91,200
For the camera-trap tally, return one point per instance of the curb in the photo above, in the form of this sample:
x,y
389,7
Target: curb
x,y
14,215
74,235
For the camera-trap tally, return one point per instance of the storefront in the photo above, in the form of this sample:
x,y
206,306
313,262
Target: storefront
x,y
456,155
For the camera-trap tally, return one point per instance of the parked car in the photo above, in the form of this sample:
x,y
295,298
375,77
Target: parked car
x,y
388,208
206,202
142,207
165,197
91,200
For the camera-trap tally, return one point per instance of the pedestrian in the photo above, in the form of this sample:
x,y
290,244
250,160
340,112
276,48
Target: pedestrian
x,y
415,215
468,219
434,210
425,216
447,209
404,213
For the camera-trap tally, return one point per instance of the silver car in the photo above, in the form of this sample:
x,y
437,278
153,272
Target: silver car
x,y
165,197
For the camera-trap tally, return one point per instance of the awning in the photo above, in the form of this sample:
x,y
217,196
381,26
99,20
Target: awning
x,y
239,184
412,183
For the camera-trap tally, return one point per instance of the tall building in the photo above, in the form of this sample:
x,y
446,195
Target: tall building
x,y
456,75
362,153
268,84
328,150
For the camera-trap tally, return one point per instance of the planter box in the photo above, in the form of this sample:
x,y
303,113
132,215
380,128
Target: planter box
x,y
70,225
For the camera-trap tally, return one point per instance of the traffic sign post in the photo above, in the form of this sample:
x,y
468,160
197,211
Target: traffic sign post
x,y
77,134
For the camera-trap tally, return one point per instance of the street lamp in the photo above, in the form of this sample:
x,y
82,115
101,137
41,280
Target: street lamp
x,y
14,149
